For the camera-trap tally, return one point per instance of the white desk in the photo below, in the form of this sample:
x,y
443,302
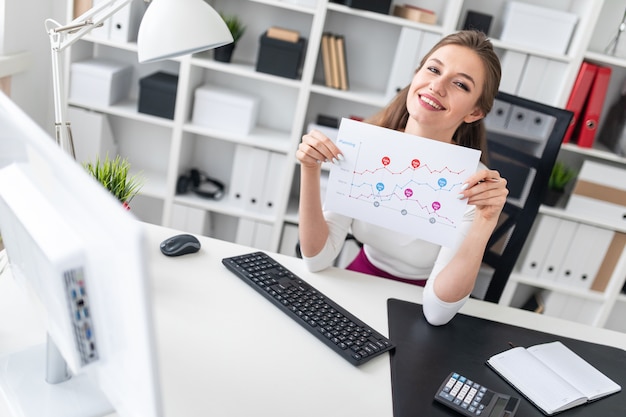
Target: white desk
x,y
221,344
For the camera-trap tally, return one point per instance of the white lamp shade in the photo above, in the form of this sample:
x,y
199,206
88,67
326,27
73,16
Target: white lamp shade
x,y
172,28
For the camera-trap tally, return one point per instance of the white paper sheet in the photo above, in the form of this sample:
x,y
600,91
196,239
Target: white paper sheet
x,y
400,182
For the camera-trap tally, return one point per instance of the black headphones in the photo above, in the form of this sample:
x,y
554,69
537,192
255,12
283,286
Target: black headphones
x,y
201,184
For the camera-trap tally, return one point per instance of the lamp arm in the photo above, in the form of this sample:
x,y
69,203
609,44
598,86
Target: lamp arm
x,y
61,37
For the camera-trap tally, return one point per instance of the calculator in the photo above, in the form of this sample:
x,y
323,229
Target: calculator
x,y
473,399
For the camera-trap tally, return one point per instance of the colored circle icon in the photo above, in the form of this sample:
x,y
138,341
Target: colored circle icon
x,y
415,163
380,186
408,192
436,205
385,160
442,182
404,212
432,220
376,204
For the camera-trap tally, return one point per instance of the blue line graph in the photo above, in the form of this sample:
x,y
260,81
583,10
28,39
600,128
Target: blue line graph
x,y
400,181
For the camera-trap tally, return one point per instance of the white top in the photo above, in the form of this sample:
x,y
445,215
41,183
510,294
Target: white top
x,y
400,255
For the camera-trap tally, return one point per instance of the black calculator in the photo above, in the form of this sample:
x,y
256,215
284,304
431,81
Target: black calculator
x,y
473,399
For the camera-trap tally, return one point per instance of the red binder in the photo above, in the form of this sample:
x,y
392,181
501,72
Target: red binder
x,y
579,94
592,110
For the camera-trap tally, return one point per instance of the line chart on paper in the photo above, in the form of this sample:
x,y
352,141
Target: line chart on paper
x,y
400,182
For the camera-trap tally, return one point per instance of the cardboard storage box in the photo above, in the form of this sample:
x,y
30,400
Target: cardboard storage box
x,y
538,27
99,82
415,14
599,192
220,108
280,57
157,94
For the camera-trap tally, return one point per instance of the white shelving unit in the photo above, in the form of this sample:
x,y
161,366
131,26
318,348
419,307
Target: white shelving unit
x,y
607,308
164,149
594,307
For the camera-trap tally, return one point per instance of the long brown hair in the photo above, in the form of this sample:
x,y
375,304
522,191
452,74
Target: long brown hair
x,y
471,135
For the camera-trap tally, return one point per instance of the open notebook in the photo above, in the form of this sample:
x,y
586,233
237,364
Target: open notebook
x,y
552,376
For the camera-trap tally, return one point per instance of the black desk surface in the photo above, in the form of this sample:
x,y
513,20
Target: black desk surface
x,y
426,354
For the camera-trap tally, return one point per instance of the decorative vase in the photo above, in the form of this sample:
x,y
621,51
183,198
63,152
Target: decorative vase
x,y
553,197
224,53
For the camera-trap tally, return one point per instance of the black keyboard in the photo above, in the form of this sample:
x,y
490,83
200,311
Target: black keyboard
x,y
354,340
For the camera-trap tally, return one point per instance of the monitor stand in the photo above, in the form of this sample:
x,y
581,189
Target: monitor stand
x,y
27,393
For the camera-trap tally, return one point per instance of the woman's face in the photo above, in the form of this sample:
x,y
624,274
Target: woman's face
x,y
444,92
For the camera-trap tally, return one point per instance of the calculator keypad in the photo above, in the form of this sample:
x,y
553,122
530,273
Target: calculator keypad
x,y
467,394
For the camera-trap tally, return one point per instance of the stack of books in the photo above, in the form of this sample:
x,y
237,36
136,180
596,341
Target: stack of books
x,y
284,34
334,61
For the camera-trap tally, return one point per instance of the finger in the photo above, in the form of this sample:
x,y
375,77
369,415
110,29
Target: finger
x,y
324,145
308,155
492,197
485,175
486,189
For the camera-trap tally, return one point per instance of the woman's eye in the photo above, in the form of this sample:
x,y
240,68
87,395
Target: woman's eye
x,y
462,86
433,70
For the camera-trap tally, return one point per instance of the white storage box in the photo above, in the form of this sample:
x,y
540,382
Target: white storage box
x,y
100,82
223,109
538,27
600,193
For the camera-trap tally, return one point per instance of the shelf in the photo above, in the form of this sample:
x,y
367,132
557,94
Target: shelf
x,y
222,206
127,46
260,137
385,18
286,5
594,153
602,58
498,44
128,109
15,63
561,213
553,286
356,93
243,69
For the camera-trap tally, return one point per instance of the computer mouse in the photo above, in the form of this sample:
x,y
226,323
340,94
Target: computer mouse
x,y
180,245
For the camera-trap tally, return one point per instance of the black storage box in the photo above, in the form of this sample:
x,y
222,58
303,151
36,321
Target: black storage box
x,y
279,57
378,6
477,21
157,94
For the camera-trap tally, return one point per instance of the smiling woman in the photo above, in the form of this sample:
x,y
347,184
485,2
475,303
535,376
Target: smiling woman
x,y
450,93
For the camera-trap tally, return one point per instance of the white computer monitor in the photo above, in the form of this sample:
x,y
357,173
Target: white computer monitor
x,y
82,255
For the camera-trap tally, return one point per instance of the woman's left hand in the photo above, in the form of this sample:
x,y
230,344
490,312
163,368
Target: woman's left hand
x,y
486,190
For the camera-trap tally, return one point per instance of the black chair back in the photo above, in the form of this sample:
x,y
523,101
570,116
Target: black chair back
x,y
524,138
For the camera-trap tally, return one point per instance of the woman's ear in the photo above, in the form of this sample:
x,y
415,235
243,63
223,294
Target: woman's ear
x,y
477,114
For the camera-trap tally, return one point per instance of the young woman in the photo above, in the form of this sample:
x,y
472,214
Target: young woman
x,y
451,92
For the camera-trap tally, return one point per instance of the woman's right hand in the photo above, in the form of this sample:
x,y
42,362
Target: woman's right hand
x,y
316,148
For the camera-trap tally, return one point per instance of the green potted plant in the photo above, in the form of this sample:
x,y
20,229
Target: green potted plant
x,y
114,175
237,29
560,176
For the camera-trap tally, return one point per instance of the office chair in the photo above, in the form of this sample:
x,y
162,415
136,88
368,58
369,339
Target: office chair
x,y
524,138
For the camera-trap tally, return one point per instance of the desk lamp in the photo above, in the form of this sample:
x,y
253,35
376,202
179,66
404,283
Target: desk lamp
x,y
169,28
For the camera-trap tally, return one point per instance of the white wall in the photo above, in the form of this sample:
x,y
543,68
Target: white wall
x,y
22,29
2,27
